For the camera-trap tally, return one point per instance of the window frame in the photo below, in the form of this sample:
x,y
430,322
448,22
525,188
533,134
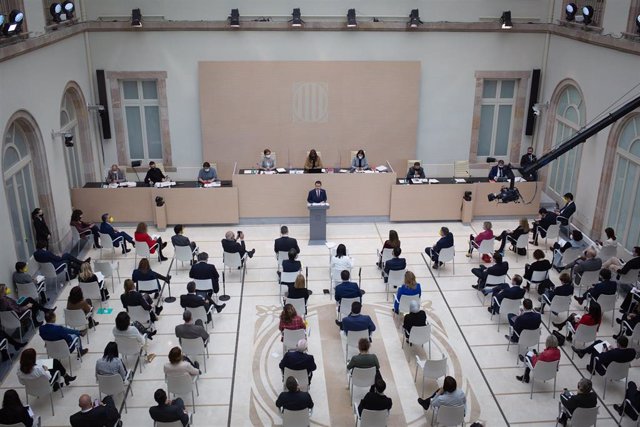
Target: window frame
x,y
140,103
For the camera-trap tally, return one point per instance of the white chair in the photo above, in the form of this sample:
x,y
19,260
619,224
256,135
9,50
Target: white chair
x,y
362,377
137,312
461,169
92,291
78,319
182,385
527,338
583,335
559,304
352,341
485,247
345,307
107,269
290,338
582,417
281,256
506,306
295,418
405,302
129,346
183,254
607,303
30,290
553,234
570,255
204,285
419,336
299,304
42,387
616,371
630,278
11,322
107,244
301,375
143,250
77,237
384,256
60,350
448,416
522,243
588,279
490,282
394,278
194,347
147,286
232,261
202,314
447,255
371,418
52,273
543,371
290,277
538,276
431,369
607,252
112,385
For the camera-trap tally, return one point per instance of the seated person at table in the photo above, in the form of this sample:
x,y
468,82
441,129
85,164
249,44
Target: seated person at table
x,y
230,245
415,317
106,228
564,290
394,264
528,159
527,319
179,239
144,272
142,236
207,174
85,227
445,241
606,286
285,243
153,174
416,171
541,225
500,172
359,162
313,161
584,398
409,288
115,175
268,163
347,289
43,255
318,194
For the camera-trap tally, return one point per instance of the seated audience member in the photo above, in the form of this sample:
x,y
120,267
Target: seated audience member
x,y
499,268
601,360
445,241
284,243
512,236
375,400
448,395
193,300
415,317
289,319
132,298
144,273
21,276
230,245
606,286
632,394
415,171
410,287
107,228
179,239
586,262
115,175
475,241
191,330
297,359
392,242
394,264
313,161
40,227
576,241
179,364
569,208
341,261
299,289
154,174
9,304
527,319
347,289
619,268
110,362
268,162
291,265
104,414
142,236
5,354
124,329
76,301
356,321
14,412
293,399
30,370
513,292
611,241
207,174
526,160
202,270
584,398
564,290
628,321
500,172
592,317
85,227
168,411
43,255
540,264
52,332
541,225
87,275
551,353
359,162
363,359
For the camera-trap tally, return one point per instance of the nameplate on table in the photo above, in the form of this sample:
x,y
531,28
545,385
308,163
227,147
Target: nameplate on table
x,y
104,311
121,184
318,204
164,184
212,184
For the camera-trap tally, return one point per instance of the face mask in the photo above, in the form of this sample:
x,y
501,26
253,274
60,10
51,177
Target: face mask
x,y
361,156
206,170
110,219
7,291
268,156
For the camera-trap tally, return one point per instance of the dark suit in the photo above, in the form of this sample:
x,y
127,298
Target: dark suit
x,y
294,401
394,264
606,287
374,402
134,298
529,320
191,331
285,244
347,290
495,270
496,172
193,301
106,228
314,197
566,212
561,291
580,400
445,241
44,256
289,266
526,160
203,271
53,332
633,395
412,173
21,415
512,292
358,322
41,229
414,319
542,265
540,226
182,240
602,360
232,247
298,360
170,413
100,416
632,264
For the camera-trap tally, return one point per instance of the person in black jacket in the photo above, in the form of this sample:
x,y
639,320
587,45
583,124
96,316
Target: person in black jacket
x,y
40,227
202,270
192,300
527,319
375,400
415,317
103,415
526,160
606,286
133,298
396,263
445,241
499,268
230,245
584,398
153,174
284,243
569,208
513,292
541,225
540,264
600,361
633,395
293,399
298,359
168,411
13,411
565,289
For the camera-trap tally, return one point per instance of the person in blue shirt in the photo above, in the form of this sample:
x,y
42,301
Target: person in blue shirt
x,y
445,241
106,228
347,289
410,287
52,332
207,174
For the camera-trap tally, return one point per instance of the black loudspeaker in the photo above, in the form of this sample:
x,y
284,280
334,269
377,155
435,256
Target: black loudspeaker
x,y
533,100
102,100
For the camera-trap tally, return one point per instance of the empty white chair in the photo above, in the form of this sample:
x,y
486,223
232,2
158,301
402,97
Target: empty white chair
x,y
202,314
448,415
588,279
352,341
143,250
42,387
583,335
194,347
107,244
485,247
137,312
559,304
77,237
461,169
447,255
148,286
295,418
52,273
431,369
112,385
129,346
78,319
232,261
183,254
370,418
616,371
506,306
60,350
11,322
301,375
419,336
543,371
345,307
299,304
108,268
570,255
553,233
290,338
607,303
183,385
281,256
527,338
362,377
384,256
405,302
394,278
92,291
607,252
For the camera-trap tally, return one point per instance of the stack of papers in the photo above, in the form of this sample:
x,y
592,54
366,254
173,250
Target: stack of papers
x,y
402,181
248,172
460,181
100,276
212,184
600,346
164,184
432,181
281,170
416,181
382,168
47,363
127,184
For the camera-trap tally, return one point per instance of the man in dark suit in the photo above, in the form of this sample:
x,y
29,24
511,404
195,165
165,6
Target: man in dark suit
x,y
356,321
103,415
205,271
633,395
564,290
513,292
298,359
192,300
587,262
52,332
317,195
131,297
445,241
106,228
500,172
528,159
43,255
284,243
179,239
293,399
569,208
499,268
396,263
606,286
168,411
541,225
347,289
600,361
584,398
416,171
528,319
190,330
230,244
375,400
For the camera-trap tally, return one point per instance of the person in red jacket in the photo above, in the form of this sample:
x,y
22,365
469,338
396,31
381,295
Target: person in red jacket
x,y
474,241
551,353
592,317
141,235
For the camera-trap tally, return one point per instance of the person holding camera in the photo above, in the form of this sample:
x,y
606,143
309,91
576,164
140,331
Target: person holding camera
x,y
235,244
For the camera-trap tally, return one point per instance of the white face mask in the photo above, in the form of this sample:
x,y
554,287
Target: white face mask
x,y
207,170
268,156
361,156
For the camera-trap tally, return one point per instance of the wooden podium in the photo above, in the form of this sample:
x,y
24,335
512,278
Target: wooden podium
x,y
318,223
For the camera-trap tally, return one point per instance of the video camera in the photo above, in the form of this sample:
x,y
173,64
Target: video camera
x,y
505,195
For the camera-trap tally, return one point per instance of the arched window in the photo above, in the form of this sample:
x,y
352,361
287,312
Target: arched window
x,y
569,118
624,199
72,155
19,182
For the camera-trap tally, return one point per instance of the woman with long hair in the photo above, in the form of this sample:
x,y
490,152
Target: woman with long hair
x,y
144,272
76,301
87,275
29,369
179,364
512,235
410,287
141,235
110,363
83,227
391,243
289,319
313,161
13,411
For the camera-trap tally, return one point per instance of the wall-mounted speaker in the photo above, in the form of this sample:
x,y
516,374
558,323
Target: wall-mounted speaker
x,y
102,100
533,100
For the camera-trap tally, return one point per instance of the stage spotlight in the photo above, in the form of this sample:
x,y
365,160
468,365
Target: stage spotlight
x,y
296,18
570,11
234,18
55,10
351,18
506,20
13,24
414,18
638,24
136,18
69,9
587,15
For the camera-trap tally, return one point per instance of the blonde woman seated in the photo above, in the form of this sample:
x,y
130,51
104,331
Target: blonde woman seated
x,y
180,365
410,287
87,275
512,236
299,289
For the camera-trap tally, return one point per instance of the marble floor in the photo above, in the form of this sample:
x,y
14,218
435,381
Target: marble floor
x,y
243,380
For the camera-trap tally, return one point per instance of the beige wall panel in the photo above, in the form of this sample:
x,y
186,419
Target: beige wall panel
x,y
425,202
201,205
124,204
